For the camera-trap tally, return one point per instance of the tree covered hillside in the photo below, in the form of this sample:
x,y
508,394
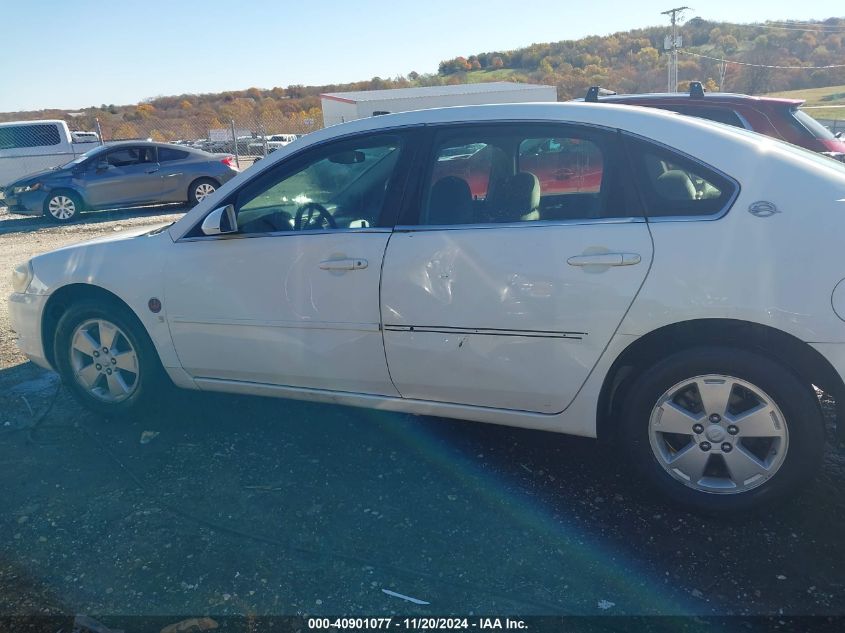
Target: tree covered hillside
x,y
634,61
630,61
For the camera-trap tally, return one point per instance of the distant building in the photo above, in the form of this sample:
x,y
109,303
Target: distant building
x,y
339,107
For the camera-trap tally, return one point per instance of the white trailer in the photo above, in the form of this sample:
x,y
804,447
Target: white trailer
x,y
339,107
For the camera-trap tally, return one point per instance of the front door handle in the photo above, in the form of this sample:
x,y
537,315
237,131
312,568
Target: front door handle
x,y
356,263
152,171
605,259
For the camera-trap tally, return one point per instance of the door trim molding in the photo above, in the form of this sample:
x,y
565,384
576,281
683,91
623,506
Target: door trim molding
x,y
303,325
445,329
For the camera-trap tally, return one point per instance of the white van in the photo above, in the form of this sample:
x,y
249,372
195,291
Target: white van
x,y
27,147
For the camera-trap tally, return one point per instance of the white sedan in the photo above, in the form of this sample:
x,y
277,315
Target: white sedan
x,y
607,271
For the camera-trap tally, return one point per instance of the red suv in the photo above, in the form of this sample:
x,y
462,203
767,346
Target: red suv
x,y
778,118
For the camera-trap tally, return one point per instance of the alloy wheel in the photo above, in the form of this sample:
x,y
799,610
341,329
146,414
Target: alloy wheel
x,y
61,207
203,190
718,434
104,362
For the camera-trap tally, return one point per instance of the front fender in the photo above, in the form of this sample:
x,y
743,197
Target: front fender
x,y
129,267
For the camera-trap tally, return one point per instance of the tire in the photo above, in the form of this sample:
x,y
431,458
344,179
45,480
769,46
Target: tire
x,y
778,423
104,377
62,206
198,190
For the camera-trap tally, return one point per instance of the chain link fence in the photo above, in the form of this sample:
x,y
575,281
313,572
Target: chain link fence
x,y
248,138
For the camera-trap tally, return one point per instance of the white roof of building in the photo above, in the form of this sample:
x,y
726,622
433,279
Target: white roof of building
x,y
431,91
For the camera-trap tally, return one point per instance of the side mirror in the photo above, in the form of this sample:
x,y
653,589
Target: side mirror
x,y
838,135
221,221
102,165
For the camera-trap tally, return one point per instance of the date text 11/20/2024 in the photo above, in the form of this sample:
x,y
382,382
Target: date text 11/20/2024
x,y
435,624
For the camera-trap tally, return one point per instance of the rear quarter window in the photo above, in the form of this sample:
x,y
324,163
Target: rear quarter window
x,y
672,184
166,154
807,125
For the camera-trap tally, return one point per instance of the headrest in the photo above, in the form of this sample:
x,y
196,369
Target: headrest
x,y
450,202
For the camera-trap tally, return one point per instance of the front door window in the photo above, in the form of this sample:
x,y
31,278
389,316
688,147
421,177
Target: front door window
x,y
342,187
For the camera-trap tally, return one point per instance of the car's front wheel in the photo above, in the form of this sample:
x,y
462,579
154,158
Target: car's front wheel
x,y
62,206
723,430
106,359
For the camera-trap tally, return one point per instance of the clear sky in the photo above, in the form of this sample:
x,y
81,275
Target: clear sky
x,y
76,53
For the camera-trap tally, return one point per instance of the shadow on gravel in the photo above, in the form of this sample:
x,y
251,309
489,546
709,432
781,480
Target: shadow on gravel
x,y
13,223
237,505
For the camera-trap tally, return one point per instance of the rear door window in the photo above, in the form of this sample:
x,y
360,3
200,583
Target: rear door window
x,y
720,115
495,174
563,164
472,162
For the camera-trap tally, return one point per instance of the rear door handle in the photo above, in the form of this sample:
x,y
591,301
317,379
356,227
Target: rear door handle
x,y
356,263
605,259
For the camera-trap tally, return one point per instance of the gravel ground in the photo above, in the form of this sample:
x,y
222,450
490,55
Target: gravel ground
x,y
253,506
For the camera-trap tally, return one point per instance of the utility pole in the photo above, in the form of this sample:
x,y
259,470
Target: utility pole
x,y
673,56
723,70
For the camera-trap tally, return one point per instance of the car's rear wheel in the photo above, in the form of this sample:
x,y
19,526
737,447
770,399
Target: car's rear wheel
x,y
62,206
201,189
723,430
106,359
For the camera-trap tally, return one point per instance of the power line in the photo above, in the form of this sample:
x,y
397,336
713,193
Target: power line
x,y
801,23
787,28
730,61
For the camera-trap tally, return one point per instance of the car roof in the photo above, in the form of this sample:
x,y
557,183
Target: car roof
x,y
186,148
32,122
717,97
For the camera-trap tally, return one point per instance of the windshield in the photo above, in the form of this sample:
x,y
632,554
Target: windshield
x,y
811,125
83,157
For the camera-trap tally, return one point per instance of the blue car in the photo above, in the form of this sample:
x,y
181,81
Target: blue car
x,y
124,174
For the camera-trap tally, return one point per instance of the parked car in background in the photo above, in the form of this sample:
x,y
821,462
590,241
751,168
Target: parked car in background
x,y
278,141
665,309
270,143
27,147
242,145
779,118
122,174
85,137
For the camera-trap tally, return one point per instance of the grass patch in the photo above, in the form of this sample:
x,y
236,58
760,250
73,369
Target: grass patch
x,y
499,74
830,95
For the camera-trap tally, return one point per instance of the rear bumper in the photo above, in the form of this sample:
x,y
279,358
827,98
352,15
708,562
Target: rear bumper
x,y
25,313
